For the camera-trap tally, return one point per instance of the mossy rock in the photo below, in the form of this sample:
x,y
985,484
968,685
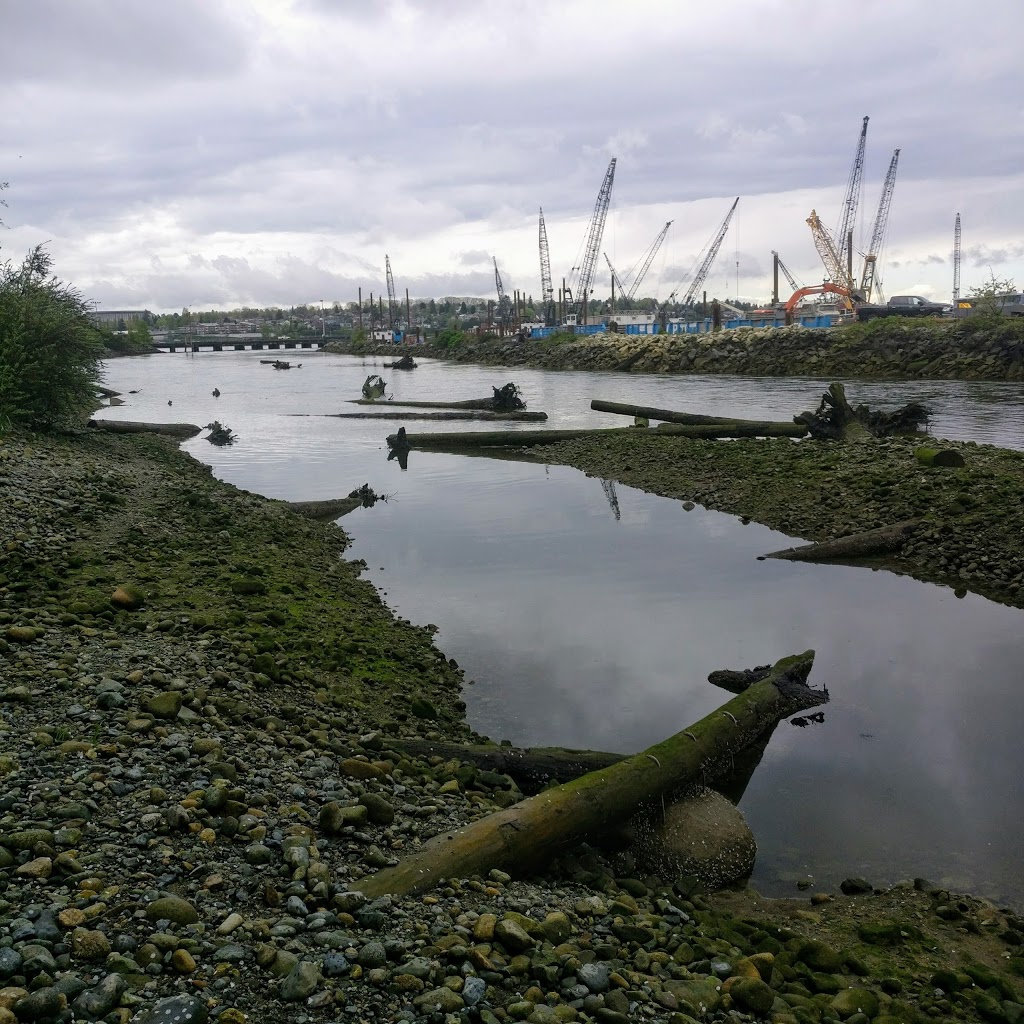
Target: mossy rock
x,y
887,933
248,588
422,708
129,598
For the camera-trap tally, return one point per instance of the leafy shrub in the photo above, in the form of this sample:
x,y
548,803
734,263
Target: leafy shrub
x,y
49,350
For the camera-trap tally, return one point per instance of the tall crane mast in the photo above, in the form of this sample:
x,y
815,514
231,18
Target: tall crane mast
x,y
786,272
709,257
616,282
956,264
546,287
867,277
504,310
848,218
581,285
392,303
648,259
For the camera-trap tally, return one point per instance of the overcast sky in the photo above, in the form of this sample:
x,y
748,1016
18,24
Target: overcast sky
x,y
214,153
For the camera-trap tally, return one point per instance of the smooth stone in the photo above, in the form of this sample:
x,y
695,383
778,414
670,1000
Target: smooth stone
x,y
176,1010
173,909
301,981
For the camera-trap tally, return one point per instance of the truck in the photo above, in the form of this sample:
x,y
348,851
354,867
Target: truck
x,y
904,305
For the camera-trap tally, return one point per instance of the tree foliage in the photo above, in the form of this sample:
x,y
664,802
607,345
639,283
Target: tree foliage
x,y
49,349
989,296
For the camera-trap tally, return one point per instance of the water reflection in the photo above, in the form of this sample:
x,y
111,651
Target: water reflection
x,y
590,614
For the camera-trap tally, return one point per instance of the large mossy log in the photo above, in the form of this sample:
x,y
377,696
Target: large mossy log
x,y
533,438
882,541
485,404
528,834
689,418
183,430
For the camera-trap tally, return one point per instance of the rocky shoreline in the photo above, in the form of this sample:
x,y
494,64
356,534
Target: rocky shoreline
x,y
198,701
892,348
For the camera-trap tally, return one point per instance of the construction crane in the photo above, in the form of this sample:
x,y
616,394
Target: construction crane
x,y
392,303
705,266
616,281
793,283
836,269
867,277
956,265
546,287
504,310
848,219
580,290
646,260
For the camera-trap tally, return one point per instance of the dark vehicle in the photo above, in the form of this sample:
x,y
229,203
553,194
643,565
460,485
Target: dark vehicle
x,y
904,305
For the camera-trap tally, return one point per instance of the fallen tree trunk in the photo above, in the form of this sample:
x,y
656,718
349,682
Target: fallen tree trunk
x,y
528,834
532,438
132,427
329,508
691,418
464,414
882,541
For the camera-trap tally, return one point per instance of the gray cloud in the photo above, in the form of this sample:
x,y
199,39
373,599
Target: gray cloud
x,y
336,131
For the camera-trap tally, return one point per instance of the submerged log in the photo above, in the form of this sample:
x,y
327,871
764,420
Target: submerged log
x,y
531,438
691,418
469,403
528,834
882,541
329,508
132,427
463,414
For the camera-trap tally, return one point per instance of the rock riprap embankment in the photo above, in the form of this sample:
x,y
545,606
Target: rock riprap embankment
x,y
190,787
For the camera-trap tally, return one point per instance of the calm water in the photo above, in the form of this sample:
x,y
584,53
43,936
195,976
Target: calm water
x,y
590,615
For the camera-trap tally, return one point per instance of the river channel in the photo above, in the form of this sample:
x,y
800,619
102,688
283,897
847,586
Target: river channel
x,y
588,614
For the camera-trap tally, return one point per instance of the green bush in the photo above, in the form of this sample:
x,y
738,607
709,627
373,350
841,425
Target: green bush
x,y
49,350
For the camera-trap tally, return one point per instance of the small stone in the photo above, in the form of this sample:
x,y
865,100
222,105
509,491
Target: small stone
x,y
173,909
97,1002
819,956
176,1010
21,634
128,598
334,818
379,810
40,867
855,1000
165,705
42,1004
89,945
183,961
473,990
855,886
439,999
356,769
301,981
372,955
596,976
512,936
752,994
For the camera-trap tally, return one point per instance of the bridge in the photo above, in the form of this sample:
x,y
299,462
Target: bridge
x,y
239,342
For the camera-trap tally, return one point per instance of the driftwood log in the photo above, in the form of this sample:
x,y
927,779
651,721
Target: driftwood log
x,y
528,834
690,418
519,416
130,427
836,419
532,438
882,541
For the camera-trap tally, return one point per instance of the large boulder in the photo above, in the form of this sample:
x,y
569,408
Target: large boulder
x,y
705,836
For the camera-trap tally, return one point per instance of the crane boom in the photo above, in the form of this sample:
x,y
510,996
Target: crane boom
x,y
648,260
786,272
593,246
546,287
826,247
391,291
709,258
849,215
867,277
616,280
956,263
504,304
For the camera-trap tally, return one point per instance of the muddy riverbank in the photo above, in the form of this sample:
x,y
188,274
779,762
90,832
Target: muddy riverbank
x,y
198,703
